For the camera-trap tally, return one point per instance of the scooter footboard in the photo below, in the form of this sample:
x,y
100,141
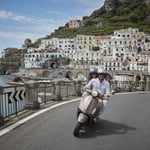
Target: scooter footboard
x,y
82,118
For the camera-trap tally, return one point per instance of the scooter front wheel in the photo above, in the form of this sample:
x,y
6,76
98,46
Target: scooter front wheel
x,y
77,129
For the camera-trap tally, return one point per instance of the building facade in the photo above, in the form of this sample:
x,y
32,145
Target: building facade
x,y
64,45
39,58
126,49
75,24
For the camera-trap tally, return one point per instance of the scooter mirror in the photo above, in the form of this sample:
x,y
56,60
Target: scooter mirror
x,y
113,92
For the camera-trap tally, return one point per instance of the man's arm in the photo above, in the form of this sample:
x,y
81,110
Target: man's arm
x,y
106,97
88,86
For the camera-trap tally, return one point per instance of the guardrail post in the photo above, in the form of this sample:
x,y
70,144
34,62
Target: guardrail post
x,y
78,88
33,95
112,85
58,90
2,121
147,85
130,86
74,88
36,104
143,85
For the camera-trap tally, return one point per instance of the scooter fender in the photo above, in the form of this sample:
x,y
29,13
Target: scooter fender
x,y
82,118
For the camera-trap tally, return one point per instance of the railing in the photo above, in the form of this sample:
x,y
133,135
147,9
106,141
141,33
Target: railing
x,y
14,99
130,86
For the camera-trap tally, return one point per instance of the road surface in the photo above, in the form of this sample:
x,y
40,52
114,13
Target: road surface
x,y
125,125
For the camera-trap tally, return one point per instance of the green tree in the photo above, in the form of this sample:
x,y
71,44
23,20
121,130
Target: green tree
x,y
95,48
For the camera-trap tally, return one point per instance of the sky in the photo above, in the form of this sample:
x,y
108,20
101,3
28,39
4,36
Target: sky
x,y
21,19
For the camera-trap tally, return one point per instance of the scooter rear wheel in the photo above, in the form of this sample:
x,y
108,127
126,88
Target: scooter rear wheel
x,y
77,129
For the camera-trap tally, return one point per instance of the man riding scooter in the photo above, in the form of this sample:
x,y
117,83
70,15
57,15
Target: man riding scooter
x,y
93,102
102,86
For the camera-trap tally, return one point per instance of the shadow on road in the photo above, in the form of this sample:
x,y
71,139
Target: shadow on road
x,y
105,127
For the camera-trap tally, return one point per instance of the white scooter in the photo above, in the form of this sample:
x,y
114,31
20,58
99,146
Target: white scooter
x,y
88,109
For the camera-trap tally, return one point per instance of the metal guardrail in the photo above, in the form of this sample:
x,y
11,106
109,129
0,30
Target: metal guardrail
x,y
14,99
130,86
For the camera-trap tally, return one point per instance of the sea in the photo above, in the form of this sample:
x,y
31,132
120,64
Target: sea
x,y
4,80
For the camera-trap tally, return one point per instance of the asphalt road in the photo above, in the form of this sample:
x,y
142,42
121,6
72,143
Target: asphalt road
x,y
125,125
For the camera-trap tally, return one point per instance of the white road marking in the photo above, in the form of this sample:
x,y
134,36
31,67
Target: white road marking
x,y
11,127
18,123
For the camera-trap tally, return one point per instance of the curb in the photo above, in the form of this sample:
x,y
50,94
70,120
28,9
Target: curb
x,y
22,121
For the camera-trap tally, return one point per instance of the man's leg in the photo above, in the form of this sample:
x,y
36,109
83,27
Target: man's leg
x,y
105,102
101,110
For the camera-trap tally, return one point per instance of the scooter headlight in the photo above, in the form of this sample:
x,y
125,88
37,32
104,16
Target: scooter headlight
x,y
94,93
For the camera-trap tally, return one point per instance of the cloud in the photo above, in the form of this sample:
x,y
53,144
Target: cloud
x,y
80,6
89,2
90,5
18,36
31,27
34,22
22,19
18,27
12,16
79,2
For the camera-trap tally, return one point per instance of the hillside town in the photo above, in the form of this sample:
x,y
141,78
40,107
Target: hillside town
x,y
127,49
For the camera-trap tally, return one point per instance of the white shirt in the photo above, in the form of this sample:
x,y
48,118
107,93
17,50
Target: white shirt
x,y
103,87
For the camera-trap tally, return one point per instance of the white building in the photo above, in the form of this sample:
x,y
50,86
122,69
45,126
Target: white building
x,y
87,57
123,46
65,45
36,59
76,23
84,42
124,50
